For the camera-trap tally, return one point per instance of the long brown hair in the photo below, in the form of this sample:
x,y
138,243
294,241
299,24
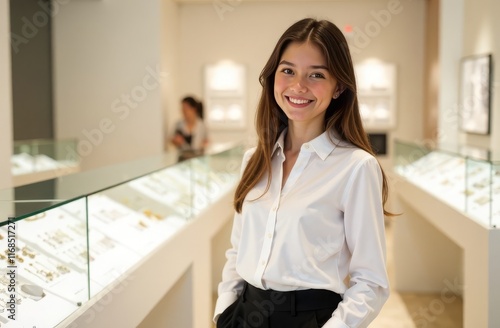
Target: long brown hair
x,y
342,115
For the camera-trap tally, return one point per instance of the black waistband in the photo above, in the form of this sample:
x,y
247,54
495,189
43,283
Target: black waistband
x,y
298,300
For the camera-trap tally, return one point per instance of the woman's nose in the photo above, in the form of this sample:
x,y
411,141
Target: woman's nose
x,y
298,85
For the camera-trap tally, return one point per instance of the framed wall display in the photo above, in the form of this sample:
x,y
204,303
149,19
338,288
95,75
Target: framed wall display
x,y
225,95
475,96
377,94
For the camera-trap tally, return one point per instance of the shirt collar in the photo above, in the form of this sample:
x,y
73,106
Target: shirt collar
x,y
280,143
323,145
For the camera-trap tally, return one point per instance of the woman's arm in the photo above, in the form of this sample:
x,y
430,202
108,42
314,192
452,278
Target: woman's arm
x,y
365,236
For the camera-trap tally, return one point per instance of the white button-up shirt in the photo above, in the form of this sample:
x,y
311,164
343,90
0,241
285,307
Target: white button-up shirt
x,y
324,226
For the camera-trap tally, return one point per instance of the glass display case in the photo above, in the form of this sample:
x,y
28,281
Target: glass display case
x,y
61,248
468,181
39,159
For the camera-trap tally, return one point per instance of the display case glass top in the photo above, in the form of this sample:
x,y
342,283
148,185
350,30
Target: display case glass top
x,y
465,178
70,238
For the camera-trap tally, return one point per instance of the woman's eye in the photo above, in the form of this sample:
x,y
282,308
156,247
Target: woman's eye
x,y
318,75
287,71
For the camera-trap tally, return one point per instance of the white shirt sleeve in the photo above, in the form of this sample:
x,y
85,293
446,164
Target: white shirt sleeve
x,y
365,236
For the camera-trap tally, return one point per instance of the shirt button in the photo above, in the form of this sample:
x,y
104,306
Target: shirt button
x,y
269,235
274,208
263,263
306,146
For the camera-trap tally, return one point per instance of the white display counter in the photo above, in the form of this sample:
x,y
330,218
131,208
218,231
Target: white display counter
x,y
446,242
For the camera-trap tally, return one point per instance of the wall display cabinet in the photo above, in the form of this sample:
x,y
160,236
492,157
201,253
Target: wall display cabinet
x,y
377,94
447,238
225,95
71,249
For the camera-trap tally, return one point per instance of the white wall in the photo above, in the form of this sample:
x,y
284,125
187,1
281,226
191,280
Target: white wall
x,y
5,97
247,32
107,64
481,29
170,63
468,27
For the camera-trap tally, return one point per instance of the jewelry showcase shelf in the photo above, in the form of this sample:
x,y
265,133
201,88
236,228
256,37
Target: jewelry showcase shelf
x,y
469,184
447,239
41,159
77,236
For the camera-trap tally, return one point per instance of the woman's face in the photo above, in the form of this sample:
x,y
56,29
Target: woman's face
x,y
303,87
189,112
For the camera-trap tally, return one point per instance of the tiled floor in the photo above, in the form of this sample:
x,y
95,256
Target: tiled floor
x,y
430,311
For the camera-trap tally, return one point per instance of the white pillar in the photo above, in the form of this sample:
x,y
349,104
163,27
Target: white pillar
x,y
450,52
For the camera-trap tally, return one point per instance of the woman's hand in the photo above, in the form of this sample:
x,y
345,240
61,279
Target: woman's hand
x,y
178,140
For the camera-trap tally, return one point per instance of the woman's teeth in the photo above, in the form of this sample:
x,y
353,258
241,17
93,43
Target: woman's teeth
x,y
299,101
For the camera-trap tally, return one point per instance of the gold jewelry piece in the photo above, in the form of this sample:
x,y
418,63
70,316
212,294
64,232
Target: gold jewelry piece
x,y
63,269
41,269
36,217
152,215
28,252
468,192
142,225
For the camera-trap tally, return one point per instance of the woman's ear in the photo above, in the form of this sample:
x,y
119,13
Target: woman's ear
x,y
338,91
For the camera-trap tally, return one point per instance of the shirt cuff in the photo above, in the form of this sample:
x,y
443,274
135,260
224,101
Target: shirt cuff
x,y
223,302
335,322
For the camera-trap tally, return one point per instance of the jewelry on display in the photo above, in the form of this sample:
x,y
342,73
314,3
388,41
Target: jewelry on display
x,y
28,252
44,275
150,214
109,215
79,256
468,192
63,269
36,217
482,184
102,246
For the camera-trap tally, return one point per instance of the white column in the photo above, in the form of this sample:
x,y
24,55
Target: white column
x,y
450,52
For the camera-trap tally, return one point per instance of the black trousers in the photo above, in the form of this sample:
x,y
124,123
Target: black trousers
x,y
257,308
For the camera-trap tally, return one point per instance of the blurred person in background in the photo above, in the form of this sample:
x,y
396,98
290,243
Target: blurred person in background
x,y
190,136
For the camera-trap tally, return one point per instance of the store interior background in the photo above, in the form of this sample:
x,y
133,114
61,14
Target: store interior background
x,y
104,49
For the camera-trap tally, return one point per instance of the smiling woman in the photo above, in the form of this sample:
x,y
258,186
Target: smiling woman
x,y
303,87
310,203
